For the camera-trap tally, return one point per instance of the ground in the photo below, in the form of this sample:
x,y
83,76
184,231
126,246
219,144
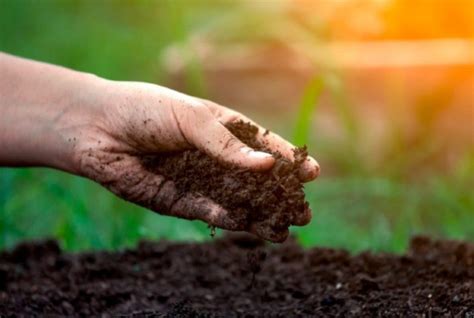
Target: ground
x,y
238,276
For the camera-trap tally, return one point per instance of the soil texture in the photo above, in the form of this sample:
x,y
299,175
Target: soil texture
x,y
268,201
238,276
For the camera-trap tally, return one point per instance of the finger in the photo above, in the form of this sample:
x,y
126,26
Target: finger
x,y
165,198
218,142
310,168
302,218
194,206
191,206
265,231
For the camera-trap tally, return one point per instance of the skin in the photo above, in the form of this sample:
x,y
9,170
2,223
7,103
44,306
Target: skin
x,y
96,128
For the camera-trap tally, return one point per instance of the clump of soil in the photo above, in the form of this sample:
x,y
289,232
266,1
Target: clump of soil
x,y
272,199
161,279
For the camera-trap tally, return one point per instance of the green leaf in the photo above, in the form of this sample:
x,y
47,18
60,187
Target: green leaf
x,y
307,108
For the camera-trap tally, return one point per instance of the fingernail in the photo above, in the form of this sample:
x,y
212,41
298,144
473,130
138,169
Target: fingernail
x,y
260,154
256,154
312,168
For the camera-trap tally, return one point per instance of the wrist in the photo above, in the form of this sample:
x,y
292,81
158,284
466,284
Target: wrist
x,y
78,120
45,110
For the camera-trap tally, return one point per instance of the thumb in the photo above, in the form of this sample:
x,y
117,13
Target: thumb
x,y
219,143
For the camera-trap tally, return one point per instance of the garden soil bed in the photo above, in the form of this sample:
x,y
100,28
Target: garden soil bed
x,y
238,276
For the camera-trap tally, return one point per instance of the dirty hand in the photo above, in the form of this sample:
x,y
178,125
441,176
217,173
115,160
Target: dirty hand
x,y
100,129
141,119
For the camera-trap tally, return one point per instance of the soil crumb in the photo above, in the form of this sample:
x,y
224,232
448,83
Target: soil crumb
x,y
273,200
162,279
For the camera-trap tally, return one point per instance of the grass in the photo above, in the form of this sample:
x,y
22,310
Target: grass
x,y
380,214
308,106
42,202
351,212
361,207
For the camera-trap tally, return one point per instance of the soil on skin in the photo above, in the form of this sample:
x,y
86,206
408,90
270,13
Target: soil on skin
x,y
273,200
219,279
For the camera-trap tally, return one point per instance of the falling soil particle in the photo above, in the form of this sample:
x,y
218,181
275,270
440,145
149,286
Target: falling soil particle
x,y
213,231
162,279
273,200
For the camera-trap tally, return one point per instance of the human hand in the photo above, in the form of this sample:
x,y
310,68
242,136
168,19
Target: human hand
x,y
99,129
140,119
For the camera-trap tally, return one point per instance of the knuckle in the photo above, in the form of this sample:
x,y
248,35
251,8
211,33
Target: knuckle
x,y
230,144
165,198
200,111
193,120
140,188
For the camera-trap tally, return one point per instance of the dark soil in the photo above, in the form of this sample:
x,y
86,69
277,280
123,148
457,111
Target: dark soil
x,y
238,276
271,200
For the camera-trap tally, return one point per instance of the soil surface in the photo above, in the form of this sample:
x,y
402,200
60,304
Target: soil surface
x,y
238,276
269,201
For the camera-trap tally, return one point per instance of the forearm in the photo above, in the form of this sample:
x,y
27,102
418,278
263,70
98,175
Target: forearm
x,y
42,107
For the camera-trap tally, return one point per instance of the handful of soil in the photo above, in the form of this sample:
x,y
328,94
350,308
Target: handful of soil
x,y
270,201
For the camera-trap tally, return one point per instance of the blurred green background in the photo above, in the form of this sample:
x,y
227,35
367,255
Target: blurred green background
x,y
366,198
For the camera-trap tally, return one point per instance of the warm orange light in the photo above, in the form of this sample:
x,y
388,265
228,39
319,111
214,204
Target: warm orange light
x,y
392,19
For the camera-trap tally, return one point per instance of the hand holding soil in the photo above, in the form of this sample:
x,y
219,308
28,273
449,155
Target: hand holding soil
x,y
150,145
194,159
